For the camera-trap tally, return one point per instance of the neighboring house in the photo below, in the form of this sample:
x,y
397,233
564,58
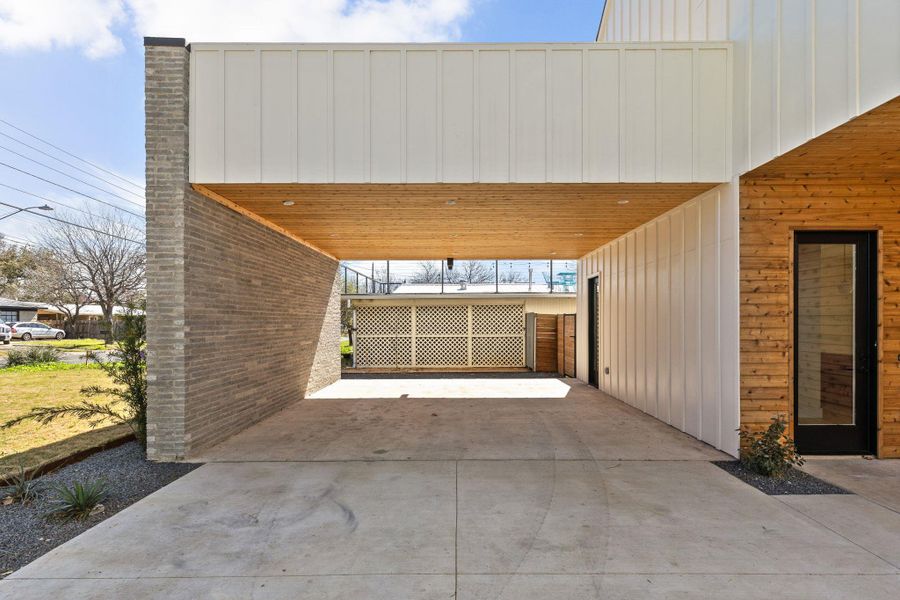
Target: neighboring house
x,y
12,311
89,323
725,172
88,312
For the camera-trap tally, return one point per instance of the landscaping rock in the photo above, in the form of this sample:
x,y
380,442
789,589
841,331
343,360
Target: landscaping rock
x,y
794,482
26,533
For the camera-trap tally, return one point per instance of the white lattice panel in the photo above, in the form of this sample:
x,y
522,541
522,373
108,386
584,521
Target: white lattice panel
x,y
383,351
442,320
442,351
383,320
498,319
446,335
498,351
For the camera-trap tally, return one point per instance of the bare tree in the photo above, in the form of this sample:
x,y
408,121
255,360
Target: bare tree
x,y
55,279
106,255
511,276
427,272
473,271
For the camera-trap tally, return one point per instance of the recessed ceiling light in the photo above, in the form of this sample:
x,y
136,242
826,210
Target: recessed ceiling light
x,y
622,201
553,254
451,202
288,202
332,235
579,235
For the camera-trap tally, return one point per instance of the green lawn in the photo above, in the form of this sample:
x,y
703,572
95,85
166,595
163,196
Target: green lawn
x,y
22,388
64,345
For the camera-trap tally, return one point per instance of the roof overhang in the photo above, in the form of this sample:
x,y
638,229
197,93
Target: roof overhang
x,y
463,221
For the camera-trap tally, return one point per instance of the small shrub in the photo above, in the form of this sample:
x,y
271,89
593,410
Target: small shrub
x,y
32,356
770,453
128,373
80,501
23,488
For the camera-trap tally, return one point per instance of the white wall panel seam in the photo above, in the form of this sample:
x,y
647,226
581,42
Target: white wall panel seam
x,y
329,104
657,161
811,69
747,131
222,112
857,58
439,116
295,115
259,118
512,173
404,118
476,116
777,57
367,114
585,117
695,110
548,116
623,129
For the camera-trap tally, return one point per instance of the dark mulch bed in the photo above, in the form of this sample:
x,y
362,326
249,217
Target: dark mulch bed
x,y
794,482
26,533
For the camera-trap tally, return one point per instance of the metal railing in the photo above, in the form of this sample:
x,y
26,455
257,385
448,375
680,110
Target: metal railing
x,y
472,277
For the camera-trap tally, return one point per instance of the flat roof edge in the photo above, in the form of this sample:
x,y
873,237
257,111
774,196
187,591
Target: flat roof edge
x,y
165,41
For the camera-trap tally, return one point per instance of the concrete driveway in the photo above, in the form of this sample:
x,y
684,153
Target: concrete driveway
x,y
471,489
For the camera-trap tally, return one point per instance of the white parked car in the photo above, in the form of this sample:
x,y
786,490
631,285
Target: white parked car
x,y
5,333
32,330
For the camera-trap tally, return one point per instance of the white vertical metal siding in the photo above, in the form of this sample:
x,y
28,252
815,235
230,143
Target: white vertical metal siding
x,y
801,67
669,309
276,113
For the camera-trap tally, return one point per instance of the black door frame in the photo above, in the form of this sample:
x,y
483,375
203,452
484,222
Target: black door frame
x,y
593,329
861,437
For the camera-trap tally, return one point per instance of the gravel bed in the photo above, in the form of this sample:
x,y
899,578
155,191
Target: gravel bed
x,y
794,482
26,533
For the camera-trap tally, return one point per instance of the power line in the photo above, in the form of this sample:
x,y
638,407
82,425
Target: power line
x,y
52,218
46,166
74,191
85,212
70,165
66,152
6,237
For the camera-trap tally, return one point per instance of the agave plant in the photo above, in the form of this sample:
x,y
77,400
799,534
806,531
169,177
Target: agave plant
x,y
80,501
22,488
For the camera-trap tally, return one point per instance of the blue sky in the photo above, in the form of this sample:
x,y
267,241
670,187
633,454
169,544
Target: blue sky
x,y
90,101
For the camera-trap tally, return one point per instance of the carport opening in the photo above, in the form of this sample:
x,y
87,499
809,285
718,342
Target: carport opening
x,y
458,316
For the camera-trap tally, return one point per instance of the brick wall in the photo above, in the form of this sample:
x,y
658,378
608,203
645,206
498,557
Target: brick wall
x,y
242,321
166,135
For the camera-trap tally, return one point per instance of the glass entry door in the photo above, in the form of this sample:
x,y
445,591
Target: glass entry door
x,y
593,290
835,342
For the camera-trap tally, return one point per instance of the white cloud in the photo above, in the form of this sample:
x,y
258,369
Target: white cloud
x,y
95,26
300,20
49,24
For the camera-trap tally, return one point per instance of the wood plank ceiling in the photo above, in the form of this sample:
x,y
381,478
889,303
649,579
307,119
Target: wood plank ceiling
x,y
464,221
